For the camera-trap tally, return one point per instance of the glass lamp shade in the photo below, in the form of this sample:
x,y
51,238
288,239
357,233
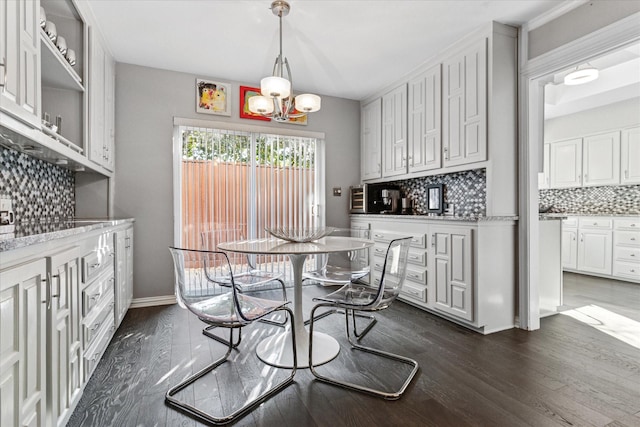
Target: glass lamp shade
x,y
273,86
307,102
580,76
260,105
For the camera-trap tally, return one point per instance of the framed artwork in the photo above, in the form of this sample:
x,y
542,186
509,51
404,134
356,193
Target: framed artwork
x,y
213,97
435,198
247,92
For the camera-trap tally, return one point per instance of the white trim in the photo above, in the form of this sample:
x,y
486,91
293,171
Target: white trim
x,y
556,12
179,121
153,301
177,186
533,73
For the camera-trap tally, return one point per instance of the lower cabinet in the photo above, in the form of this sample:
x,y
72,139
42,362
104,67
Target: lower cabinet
x,y
461,270
57,318
124,273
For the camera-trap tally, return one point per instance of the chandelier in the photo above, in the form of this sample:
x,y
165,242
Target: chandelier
x,y
276,100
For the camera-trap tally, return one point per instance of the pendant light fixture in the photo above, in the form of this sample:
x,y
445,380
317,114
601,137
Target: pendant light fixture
x,y
277,100
582,74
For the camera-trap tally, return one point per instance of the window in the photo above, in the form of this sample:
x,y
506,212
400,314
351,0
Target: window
x,y
245,179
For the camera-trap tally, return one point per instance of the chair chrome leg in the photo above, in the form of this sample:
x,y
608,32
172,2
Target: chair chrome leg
x,y
354,314
226,419
393,395
207,331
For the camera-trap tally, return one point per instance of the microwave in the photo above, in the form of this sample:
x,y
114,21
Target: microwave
x,y
366,198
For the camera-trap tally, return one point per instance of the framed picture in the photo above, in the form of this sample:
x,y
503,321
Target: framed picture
x,y
213,97
435,198
247,92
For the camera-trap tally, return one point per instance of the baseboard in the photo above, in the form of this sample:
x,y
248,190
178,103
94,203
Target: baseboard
x,y
153,301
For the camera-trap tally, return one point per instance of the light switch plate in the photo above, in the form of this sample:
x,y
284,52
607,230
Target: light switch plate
x,y
337,191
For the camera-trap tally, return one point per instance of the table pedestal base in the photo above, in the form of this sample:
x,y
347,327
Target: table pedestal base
x,y
276,350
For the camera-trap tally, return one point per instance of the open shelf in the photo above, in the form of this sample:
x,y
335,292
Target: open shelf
x,y
56,71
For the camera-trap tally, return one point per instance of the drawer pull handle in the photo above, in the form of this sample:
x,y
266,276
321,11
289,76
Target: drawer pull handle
x,y
633,270
595,223
379,235
633,238
414,257
95,326
96,265
95,296
633,254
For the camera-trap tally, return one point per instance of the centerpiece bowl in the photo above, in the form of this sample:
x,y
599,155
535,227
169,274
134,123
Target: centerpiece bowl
x,y
299,235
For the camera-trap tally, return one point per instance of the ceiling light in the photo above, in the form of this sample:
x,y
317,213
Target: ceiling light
x,y
582,74
276,100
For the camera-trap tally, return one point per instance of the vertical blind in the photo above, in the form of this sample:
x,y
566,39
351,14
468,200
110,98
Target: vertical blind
x,y
246,180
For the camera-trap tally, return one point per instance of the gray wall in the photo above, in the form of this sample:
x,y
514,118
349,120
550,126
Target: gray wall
x,y
609,117
579,22
147,100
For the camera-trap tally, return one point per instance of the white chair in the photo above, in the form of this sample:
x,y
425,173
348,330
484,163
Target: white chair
x,y
366,297
219,304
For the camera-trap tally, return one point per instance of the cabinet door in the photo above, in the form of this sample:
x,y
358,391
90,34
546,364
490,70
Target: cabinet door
x,y
20,60
109,112
450,271
566,163
23,298
129,266
63,341
601,159
97,152
570,248
394,132
630,156
464,129
594,251
425,143
371,144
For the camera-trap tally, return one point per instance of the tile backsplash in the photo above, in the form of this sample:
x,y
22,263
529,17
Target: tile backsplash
x,y
40,191
467,191
619,200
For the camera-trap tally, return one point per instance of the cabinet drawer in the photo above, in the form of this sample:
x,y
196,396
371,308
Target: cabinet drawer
x,y
93,324
417,258
378,263
626,224
93,354
414,291
96,292
95,263
570,222
627,270
622,253
630,238
596,223
419,241
417,276
380,251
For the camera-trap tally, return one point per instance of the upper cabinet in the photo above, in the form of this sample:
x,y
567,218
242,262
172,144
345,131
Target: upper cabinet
x,y
464,106
424,121
457,112
20,60
371,140
630,156
566,163
394,132
601,159
45,89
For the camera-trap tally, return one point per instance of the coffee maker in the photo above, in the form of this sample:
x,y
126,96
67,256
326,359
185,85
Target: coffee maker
x,y
7,218
390,201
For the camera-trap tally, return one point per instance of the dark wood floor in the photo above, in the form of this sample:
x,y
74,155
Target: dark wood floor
x,y
565,374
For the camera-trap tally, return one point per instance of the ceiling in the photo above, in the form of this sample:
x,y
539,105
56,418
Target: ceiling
x,y
349,48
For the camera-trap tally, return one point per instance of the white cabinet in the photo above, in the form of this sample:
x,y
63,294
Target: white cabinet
x,y
394,132
464,106
64,364
23,310
451,270
101,102
566,163
371,142
630,156
20,60
424,129
595,245
626,249
570,243
124,273
601,159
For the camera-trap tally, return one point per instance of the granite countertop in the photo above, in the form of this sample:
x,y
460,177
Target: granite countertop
x,y
443,217
612,215
33,233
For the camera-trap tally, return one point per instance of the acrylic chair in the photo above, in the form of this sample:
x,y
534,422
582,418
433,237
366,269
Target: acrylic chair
x,y
367,297
341,268
223,306
247,277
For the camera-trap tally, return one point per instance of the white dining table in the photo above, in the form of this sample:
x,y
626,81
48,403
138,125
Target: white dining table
x,y
276,349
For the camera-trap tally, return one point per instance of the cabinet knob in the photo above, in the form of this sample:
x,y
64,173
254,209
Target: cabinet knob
x,y
633,239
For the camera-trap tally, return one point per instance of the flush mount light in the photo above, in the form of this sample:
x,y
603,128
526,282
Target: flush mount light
x,y
276,100
582,74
